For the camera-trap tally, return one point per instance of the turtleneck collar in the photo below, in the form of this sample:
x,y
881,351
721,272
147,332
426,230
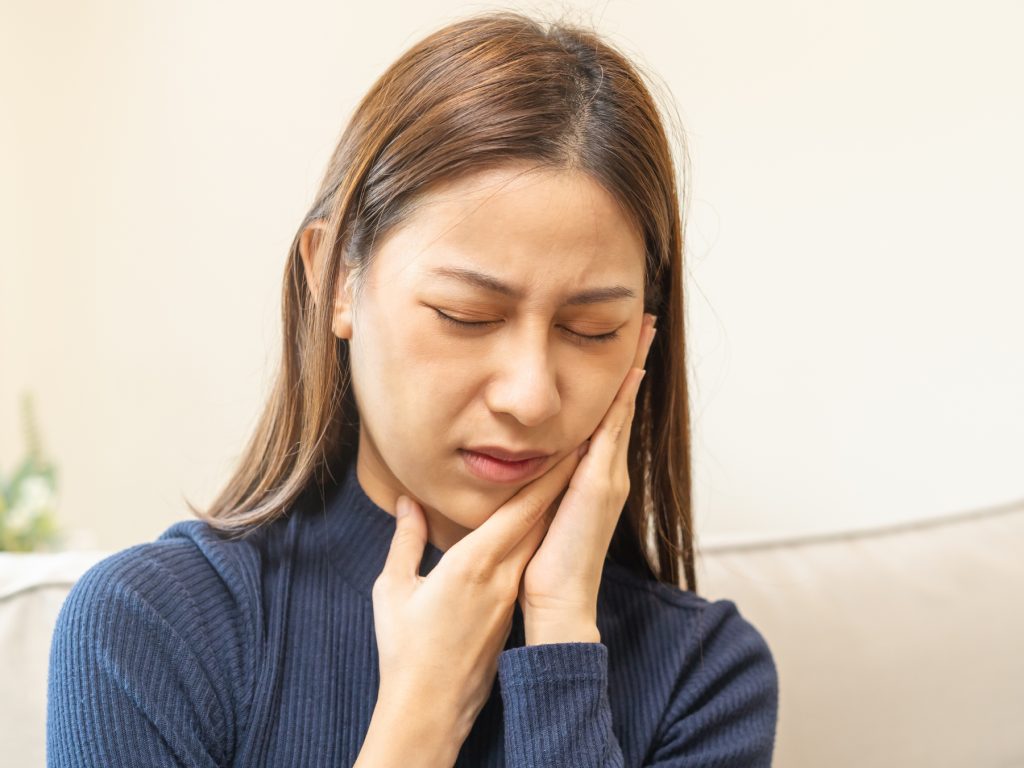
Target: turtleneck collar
x,y
360,534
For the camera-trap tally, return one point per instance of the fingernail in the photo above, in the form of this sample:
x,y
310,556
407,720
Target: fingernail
x,y
402,507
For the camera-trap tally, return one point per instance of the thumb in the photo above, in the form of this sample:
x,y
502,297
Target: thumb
x,y
409,539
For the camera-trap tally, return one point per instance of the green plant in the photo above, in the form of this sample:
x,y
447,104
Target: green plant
x,y
28,499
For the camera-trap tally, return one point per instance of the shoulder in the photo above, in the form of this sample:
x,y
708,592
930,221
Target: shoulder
x,y
189,572
182,611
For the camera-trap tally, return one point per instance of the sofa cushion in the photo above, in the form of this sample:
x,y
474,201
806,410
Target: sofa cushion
x,y
895,647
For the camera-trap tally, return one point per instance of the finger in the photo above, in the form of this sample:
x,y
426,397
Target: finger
x,y
643,345
620,456
624,428
494,540
407,543
619,418
614,429
521,553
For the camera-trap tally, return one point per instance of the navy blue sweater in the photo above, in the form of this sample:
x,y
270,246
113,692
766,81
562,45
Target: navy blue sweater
x,y
193,650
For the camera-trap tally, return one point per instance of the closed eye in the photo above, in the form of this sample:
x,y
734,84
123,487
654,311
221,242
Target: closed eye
x,y
604,337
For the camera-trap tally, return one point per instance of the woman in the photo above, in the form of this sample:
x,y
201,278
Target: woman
x,y
459,532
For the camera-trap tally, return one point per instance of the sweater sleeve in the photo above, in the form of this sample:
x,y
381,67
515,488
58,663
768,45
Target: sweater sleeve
x,y
557,711
133,678
722,713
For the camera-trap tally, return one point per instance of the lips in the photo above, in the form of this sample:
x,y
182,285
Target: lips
x,y
505,454
486,467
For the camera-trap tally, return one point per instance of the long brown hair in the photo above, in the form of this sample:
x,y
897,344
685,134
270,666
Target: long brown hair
x,y
480,92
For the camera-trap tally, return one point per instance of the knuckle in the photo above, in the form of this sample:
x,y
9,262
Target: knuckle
x,y
475,571
532,509
403,535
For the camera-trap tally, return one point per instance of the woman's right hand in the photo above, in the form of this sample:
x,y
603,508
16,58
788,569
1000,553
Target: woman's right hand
x,y
439,636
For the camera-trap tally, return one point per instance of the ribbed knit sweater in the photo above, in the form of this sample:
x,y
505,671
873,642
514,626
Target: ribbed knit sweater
x,y
194,650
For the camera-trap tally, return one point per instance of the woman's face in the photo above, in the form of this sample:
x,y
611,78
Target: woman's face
x,y
529,379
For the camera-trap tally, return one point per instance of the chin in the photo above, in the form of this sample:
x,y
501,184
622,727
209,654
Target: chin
x,y
470,506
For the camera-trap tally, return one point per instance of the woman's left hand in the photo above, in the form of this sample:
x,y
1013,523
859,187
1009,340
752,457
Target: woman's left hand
x,y
558,590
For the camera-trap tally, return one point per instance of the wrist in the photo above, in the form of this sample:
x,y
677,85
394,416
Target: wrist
x,y
411,736
564,631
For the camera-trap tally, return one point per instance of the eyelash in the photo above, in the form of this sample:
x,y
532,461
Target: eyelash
x,y
601,338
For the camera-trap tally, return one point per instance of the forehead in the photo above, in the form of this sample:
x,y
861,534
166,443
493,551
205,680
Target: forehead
x,y
530,228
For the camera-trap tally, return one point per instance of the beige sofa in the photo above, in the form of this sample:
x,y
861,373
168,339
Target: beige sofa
x,y
895,647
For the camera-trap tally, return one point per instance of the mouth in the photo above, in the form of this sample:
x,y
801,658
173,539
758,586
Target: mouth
x,y
496,470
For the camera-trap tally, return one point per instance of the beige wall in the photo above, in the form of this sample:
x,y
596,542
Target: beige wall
x,y
855,244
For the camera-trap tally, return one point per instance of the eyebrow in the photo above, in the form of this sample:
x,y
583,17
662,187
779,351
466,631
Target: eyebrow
x,y
491,283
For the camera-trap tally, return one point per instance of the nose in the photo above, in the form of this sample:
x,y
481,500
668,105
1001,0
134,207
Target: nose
x,y
525,379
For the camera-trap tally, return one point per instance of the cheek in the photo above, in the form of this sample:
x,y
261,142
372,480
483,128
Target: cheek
x,y
593,394
409,382
440,371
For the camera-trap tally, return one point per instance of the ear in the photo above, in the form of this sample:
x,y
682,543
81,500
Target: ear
x,y
313,255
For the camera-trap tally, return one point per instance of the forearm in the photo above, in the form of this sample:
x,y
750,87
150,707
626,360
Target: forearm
x,y
409,737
